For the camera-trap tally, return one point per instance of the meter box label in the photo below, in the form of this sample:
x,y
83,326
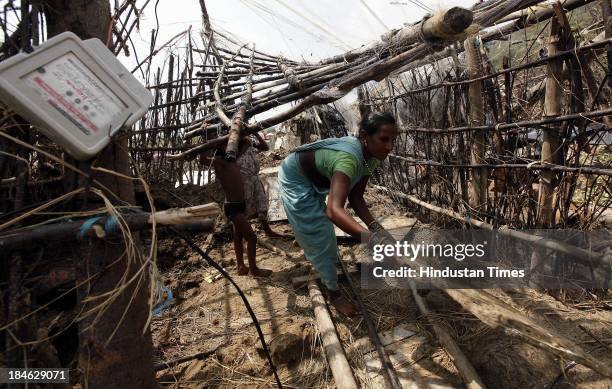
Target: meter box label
x,y
75,92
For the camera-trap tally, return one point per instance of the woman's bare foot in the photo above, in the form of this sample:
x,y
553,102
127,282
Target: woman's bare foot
x,y
242,270
343,305
257,272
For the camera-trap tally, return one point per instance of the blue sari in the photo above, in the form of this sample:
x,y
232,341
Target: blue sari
x,y
304,204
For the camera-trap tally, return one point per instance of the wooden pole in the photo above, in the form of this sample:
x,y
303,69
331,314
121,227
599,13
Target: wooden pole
x,y
478,190
252,128
275,249
341,370
102,228
290,76
113,352
239,118
501,33
594,45
462,363
552,139
444,25
208,32
364,108
606,11
235,124
495,313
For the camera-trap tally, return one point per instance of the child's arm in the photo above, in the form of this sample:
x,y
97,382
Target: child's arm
x,y
262,145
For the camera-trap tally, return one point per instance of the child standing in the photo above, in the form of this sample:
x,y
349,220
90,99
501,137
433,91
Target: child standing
x,y
228,174
255,196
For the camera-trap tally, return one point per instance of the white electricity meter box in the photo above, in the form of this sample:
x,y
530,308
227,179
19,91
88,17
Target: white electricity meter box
x,y
76,91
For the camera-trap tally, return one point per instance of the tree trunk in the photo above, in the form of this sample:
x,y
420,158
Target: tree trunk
x,y
127,359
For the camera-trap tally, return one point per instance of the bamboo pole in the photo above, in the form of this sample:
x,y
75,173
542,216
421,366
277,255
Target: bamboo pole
x,y
261,54
73,231
499,126
208,32
364,109
290,75
501,33
606,11
218,105
517,125
479,302
478,190
462,363
336,69
531,166
231,151
270,59
444,25
275,249
340,368
551,139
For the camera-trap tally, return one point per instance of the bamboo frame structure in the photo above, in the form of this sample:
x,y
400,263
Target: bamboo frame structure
x,y
469,142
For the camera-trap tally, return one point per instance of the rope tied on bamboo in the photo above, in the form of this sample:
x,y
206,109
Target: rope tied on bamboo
x,y
157,309
89,223
429,43
110,226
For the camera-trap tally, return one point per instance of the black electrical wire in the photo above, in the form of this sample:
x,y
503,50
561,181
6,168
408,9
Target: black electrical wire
x,y
214,264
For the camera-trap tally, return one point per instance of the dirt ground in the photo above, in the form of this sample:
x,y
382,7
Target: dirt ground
x,y
208,316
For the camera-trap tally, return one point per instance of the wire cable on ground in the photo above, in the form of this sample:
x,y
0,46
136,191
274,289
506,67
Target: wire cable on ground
x,y
218,267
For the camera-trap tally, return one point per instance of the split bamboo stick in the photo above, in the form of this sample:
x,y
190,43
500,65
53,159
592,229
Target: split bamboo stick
x,y
340,368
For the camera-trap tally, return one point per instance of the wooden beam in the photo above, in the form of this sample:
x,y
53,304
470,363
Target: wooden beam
x,y
340,368
478,190
462,363
115,346
551,144
290,75
238,120
606,11
444,25
102,228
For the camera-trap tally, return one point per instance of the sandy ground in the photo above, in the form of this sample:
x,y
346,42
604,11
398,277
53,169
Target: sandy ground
x,y
210,317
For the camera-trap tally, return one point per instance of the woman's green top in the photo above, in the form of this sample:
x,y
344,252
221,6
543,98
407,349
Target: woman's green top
x,y
328,161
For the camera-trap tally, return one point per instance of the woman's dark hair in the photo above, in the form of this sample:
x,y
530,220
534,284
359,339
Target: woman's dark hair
x,y
371,123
